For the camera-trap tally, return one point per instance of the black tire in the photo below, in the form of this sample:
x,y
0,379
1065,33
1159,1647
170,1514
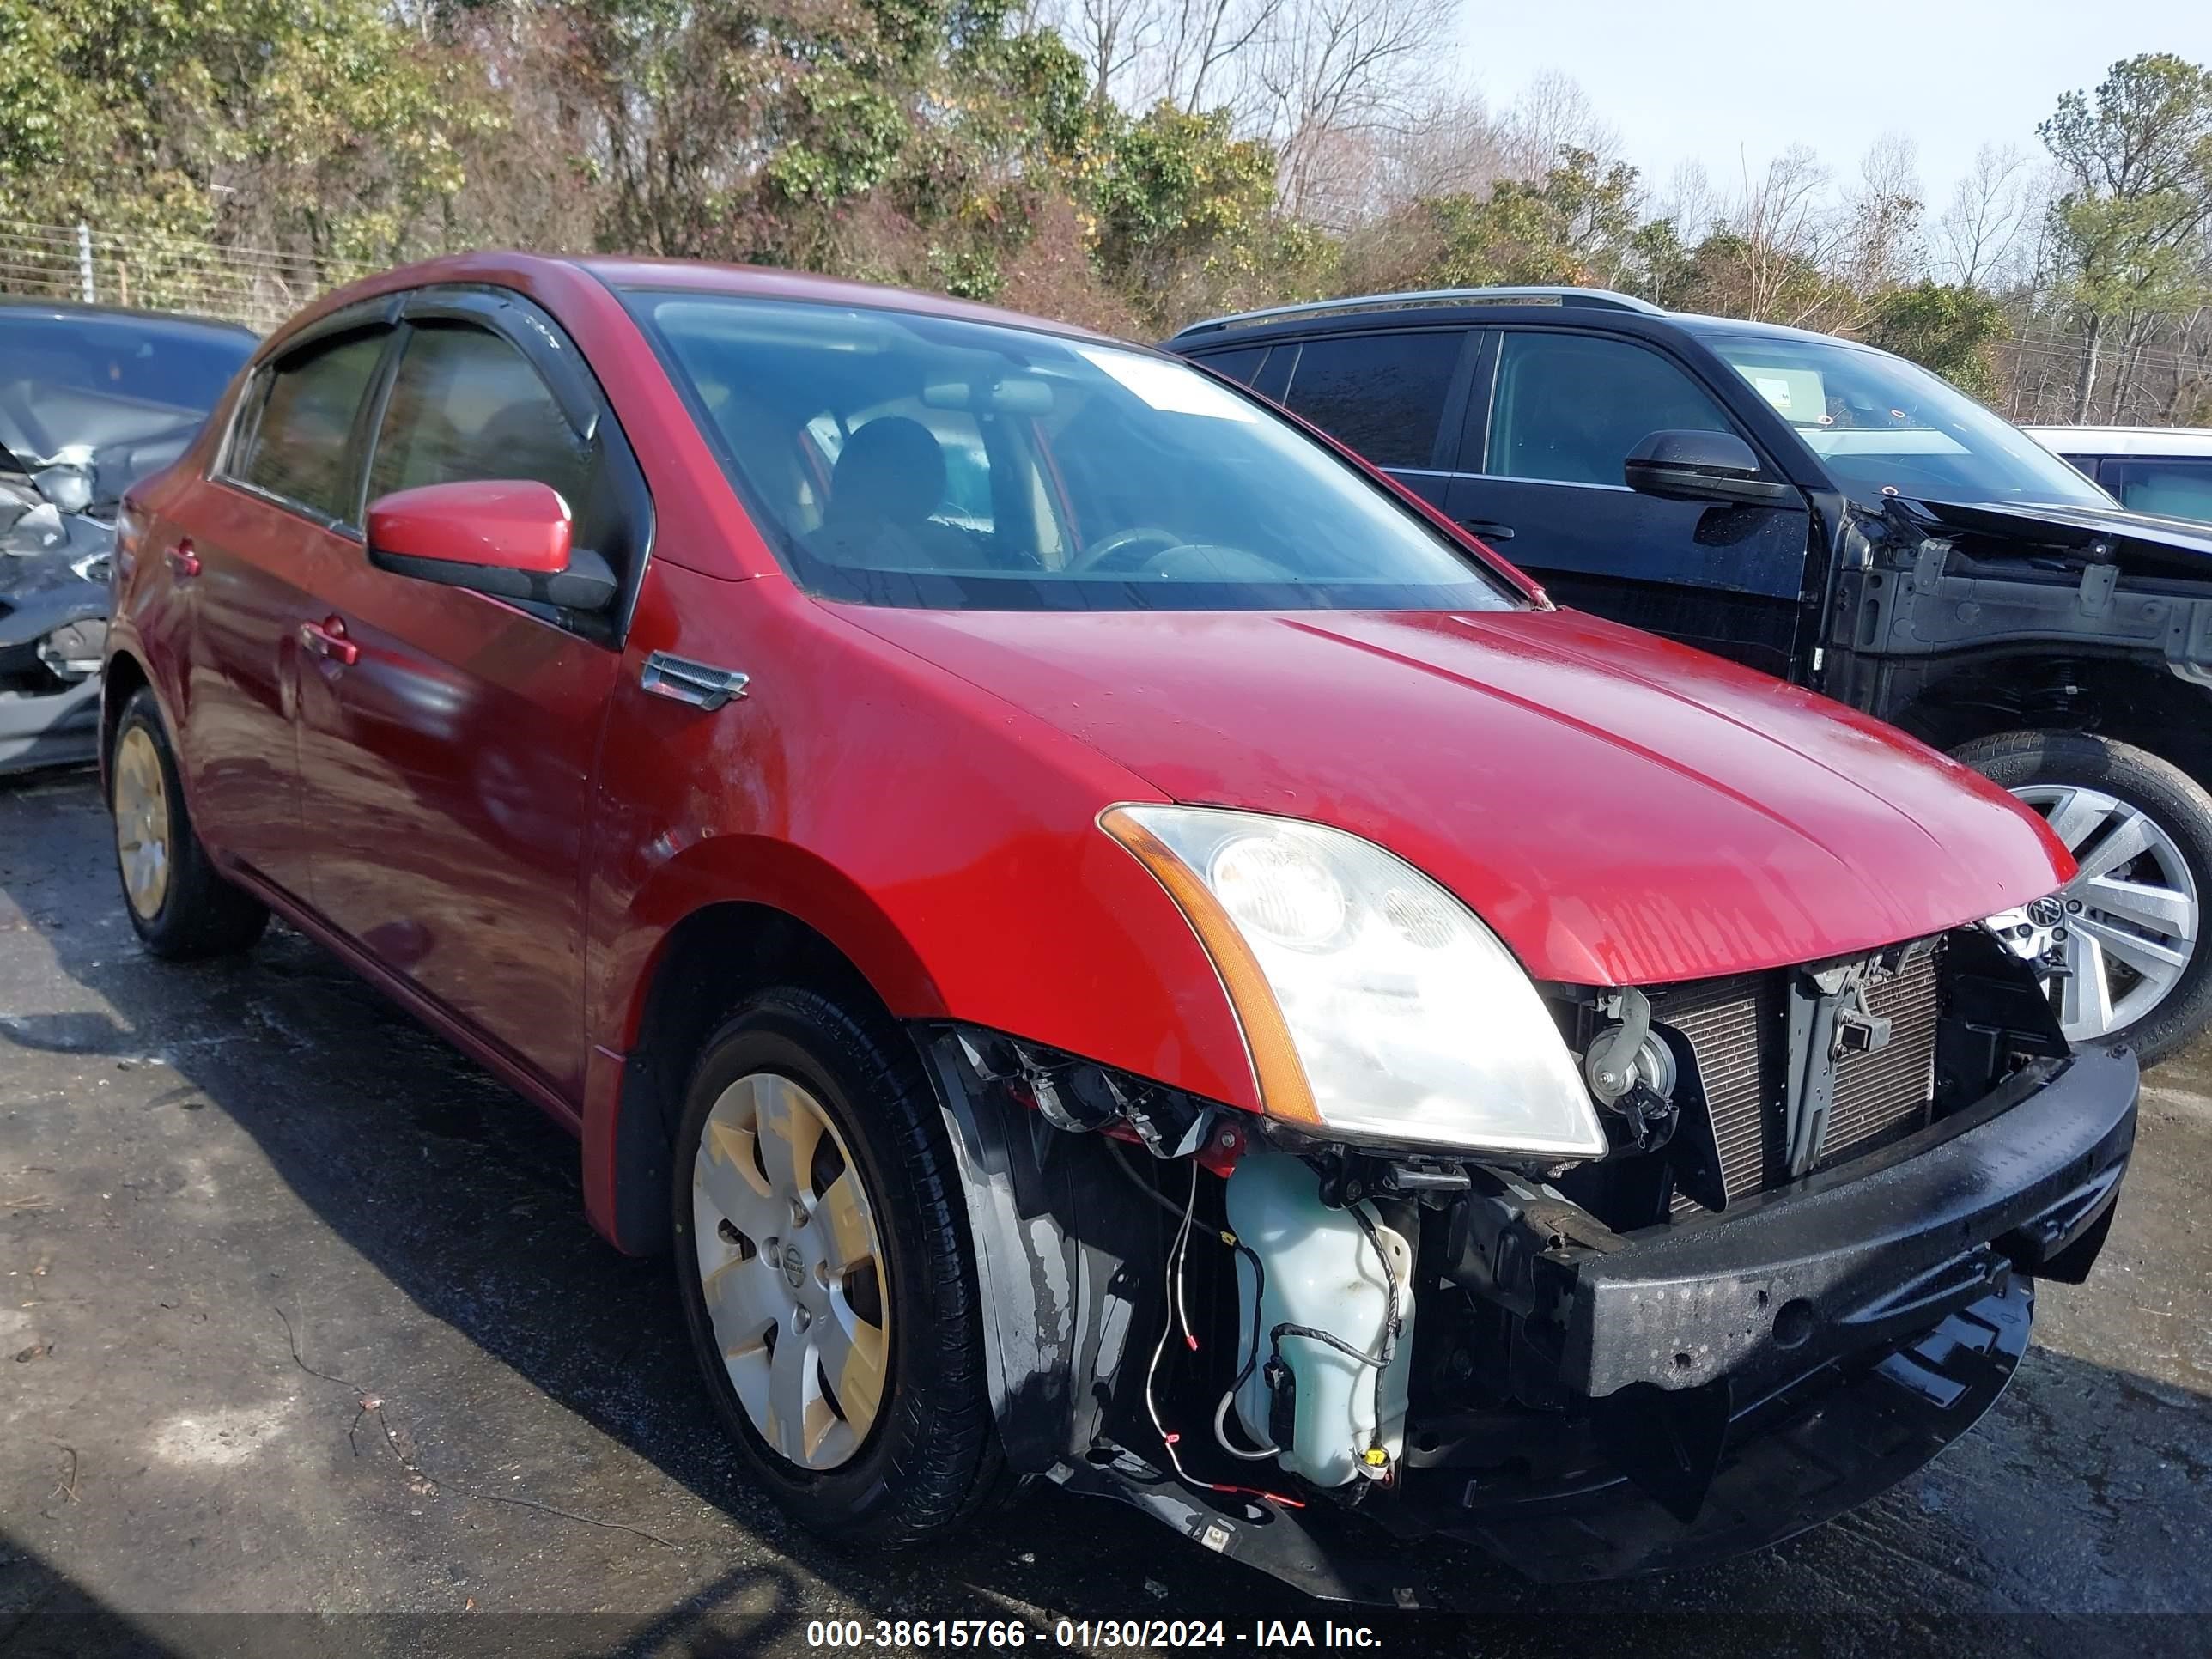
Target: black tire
x,y
2171,799
200,914
932,1458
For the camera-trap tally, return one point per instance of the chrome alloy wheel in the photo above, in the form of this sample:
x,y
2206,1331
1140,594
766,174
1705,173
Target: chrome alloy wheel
x,y
791,1265
2130,912
141,823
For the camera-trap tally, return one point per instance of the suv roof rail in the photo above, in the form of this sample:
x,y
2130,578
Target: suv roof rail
x,y
1602,298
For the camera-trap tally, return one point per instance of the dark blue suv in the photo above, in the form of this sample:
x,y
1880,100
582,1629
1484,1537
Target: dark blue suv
x,y
1838,516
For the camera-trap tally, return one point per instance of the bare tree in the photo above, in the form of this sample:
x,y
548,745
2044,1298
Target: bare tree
x,y
1208,49
1553,115
1977,236
1450,145
1114,38
1691,203
1776,240
1337,75
1880,244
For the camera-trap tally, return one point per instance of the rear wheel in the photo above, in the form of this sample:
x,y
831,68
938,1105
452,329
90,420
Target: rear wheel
x,y
827,1277
2141,829
182,908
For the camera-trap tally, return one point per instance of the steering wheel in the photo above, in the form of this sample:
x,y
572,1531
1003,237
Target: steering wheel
x,y
1112,553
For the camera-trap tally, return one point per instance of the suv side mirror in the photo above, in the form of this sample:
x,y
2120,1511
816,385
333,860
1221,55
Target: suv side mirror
x,y
1701,466
509,538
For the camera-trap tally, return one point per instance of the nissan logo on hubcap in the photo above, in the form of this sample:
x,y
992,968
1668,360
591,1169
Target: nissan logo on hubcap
x,y
795,1267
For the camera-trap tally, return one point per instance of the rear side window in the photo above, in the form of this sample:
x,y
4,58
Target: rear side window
x,y
297,448
2173,488
1382,394
1570,407
467,405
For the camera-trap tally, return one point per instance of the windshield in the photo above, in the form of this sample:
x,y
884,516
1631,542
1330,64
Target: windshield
x,y
924,461
110,399
157,359
1885,427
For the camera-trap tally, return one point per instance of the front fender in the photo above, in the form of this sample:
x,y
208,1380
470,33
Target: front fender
x,y
946,841
753,869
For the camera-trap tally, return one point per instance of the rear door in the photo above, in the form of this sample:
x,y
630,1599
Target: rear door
x,y
1394,396
247,553
447,750
1551,420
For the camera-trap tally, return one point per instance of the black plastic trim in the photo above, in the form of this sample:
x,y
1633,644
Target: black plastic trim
x,y
1846,1260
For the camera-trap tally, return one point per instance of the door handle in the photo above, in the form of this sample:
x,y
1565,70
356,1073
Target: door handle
x,y
1488,529
681,680
328,639
182,561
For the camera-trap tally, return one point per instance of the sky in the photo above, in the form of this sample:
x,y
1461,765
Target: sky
x,y
1727,81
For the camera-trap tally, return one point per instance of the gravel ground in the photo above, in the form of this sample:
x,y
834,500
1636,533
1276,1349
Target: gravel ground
x,y
305,1347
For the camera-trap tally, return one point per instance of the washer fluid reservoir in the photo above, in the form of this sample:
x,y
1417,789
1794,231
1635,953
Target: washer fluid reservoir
x,y
1320,1271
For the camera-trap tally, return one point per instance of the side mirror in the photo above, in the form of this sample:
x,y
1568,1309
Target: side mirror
x,y
1701,466
509,538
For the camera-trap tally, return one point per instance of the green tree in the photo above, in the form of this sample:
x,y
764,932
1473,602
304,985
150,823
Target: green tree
x,y
1173,187
1944,326
2138,153
313,119
1578,224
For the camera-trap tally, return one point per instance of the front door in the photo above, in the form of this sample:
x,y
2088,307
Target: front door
x,y
1541,482
245,555
448,741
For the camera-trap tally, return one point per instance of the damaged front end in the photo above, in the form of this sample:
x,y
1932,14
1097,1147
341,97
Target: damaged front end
x,y
1800,1266
53,627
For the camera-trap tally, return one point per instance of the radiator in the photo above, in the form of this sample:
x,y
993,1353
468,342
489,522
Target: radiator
x,y
1738,1036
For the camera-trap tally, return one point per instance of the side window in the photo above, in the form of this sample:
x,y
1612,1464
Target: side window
x,y
1382,394
1241,364
2173,488
1569,407
296,447
467,405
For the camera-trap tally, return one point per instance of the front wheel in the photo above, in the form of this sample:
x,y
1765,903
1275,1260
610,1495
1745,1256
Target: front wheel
x,y
2141,831
182,908
823,1257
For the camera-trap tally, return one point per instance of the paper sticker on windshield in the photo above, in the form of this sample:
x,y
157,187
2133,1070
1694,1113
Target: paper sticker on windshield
x,y
1169,387
1797,393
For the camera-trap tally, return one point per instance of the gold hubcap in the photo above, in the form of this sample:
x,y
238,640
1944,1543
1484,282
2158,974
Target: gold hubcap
x,y
792,1266
141,823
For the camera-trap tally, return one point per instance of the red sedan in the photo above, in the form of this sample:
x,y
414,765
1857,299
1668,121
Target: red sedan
x,y
1112,945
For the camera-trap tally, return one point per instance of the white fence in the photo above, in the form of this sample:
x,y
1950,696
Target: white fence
x,y
259,286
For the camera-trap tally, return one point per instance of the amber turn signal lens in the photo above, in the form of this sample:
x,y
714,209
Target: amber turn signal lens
x,y
1284,1091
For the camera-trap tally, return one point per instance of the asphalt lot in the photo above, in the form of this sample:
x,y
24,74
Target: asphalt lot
x,y
240,1202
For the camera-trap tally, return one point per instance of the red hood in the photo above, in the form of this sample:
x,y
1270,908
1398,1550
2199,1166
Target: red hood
x,y
1621,810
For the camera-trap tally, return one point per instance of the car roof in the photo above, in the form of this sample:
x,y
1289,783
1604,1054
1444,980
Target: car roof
x,y
770,282
1538,307
2124,439
512,268
45,306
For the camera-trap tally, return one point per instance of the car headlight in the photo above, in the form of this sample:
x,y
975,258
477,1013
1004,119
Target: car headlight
x,y
95,567
1375,1004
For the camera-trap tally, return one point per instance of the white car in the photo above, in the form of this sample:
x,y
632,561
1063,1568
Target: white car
x,y
2165,470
